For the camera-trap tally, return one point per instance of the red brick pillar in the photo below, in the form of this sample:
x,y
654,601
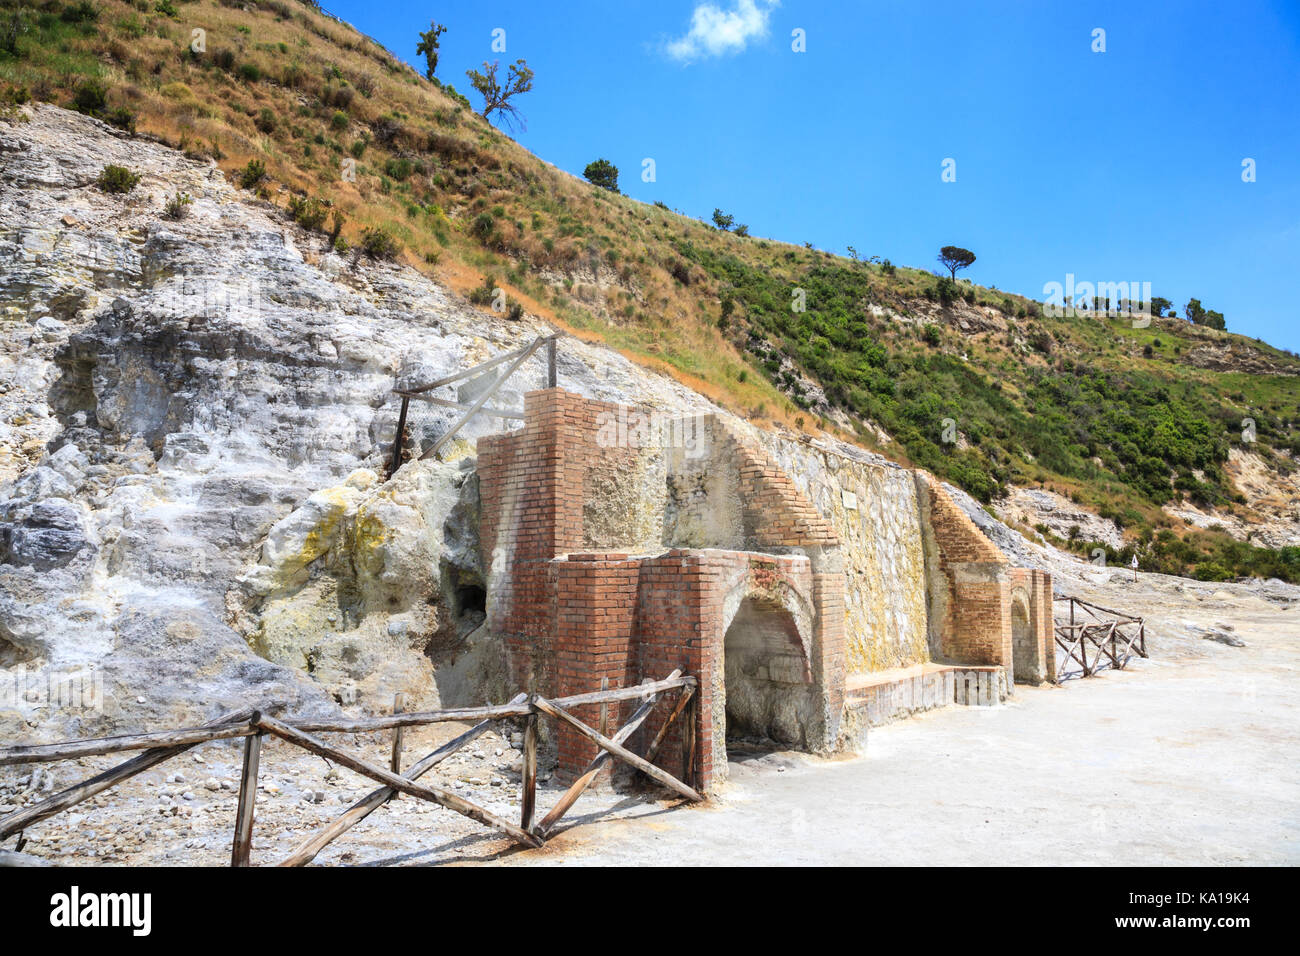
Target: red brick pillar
x,y
595,621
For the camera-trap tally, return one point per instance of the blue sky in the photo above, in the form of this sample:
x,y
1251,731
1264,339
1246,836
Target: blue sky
x,y
1123,165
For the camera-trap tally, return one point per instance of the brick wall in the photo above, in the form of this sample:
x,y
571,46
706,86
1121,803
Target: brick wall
x,y
1035,653
533,484
570,615
594,639
570,618
974,618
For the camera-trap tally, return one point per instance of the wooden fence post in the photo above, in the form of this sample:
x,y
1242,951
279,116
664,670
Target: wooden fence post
x,y
528,799
604,708
399,439
399,701
688,742
551,378
242,843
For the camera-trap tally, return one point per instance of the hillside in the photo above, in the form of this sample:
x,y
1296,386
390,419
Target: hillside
x,y
1139,431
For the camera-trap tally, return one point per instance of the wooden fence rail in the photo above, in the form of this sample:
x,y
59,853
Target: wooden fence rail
x,y
1095,632
516,357
253,726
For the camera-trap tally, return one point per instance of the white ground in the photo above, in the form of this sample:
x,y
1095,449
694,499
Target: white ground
x,y
1191,757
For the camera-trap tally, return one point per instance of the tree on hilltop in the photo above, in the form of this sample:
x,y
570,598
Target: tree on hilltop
x,y
428,47
602,173
954,258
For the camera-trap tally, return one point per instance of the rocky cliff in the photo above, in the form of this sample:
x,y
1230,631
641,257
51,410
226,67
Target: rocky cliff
x,y
193,415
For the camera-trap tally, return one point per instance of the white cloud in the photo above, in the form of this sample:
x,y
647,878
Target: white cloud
x,y
715,32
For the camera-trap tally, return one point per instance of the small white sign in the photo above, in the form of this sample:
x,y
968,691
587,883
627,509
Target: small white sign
x,y
850,500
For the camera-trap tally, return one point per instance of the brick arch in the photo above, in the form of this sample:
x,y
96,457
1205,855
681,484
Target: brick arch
x,y
1033,650
763,662
760,589
1024,649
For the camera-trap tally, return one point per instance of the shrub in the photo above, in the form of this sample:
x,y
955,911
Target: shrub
x,y
90,98
338,97
117,179
515,312
399,168
249,72
887,267
339,121
336,227
307,212
378,244
483,226
1212,571
485,293
602,173
946,290
358,147
931,334
265,120
121,117
224,59
80,13
252,174
177,206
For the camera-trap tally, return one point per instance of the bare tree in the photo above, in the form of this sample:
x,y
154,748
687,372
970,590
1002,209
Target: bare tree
x,y
497,98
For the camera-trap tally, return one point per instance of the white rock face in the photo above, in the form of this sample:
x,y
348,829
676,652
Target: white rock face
x,y
1035,506
181,407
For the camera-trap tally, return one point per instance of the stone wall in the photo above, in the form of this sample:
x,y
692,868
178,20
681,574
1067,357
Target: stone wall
x,y
618,549
570,617
873,508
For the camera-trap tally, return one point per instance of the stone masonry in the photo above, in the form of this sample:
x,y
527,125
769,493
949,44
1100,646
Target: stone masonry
x,y
619,547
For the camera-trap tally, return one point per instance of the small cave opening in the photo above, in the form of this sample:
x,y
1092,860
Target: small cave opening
x,y
471,599
767,681
466,597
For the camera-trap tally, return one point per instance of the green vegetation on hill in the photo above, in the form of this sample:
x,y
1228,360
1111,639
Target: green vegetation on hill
x,y
977,385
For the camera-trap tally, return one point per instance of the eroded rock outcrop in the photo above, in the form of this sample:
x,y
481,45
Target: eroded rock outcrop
x,y
189,411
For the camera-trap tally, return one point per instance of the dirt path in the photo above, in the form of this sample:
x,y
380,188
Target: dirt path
x,y
1185,761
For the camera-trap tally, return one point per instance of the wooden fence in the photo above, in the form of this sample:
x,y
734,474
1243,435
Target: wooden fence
x,y
1096,635
423,393
253,725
